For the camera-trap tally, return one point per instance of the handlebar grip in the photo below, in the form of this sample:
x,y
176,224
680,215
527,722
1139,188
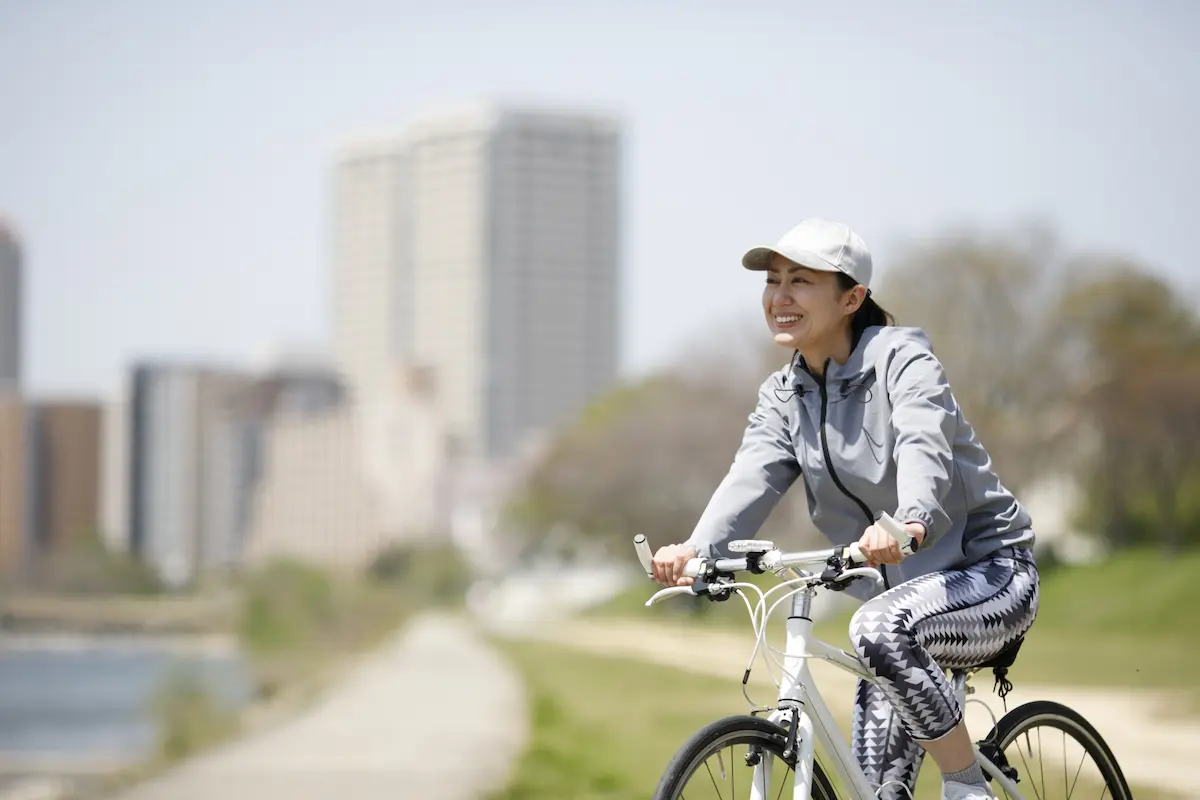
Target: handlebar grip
x,y
896,531
855,553
644,555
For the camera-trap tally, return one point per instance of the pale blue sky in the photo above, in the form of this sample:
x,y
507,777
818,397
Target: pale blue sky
x,y
167,163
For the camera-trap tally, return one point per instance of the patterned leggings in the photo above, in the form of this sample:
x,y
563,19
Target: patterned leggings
x,y
910,634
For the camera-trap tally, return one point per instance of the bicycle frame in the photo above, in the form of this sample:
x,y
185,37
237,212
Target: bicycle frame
x,y
798,694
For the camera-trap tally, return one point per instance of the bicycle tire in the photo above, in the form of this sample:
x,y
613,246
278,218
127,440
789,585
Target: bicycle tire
x,y
1045,712
739,729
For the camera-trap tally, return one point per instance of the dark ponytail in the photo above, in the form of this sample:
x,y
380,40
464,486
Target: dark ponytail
x,y
869,314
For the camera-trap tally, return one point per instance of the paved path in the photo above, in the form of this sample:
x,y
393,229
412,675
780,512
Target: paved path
x,y
1155,749
434,715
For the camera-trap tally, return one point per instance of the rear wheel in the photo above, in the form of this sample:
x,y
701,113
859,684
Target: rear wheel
x,y
713,764
1054,754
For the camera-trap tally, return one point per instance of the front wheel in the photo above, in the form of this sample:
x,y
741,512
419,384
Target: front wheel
x,y
713,763
1053,752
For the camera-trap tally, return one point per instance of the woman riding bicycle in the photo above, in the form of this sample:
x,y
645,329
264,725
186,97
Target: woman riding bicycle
x,y
865,415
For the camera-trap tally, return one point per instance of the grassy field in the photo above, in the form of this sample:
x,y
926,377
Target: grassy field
x,y
603,728
1119,623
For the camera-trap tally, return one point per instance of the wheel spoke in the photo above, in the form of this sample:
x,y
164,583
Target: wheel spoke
x,y
1028,770
713,779
782,783
760,740
1021,735
1066,791
1041,761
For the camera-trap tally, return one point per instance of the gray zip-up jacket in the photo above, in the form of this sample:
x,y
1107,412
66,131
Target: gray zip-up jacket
x,y
881,432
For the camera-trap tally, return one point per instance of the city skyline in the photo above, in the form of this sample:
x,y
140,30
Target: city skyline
x,y
181,211
439,275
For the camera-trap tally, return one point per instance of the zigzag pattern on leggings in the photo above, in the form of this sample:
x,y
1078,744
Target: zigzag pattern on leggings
x,y
881,745
909,635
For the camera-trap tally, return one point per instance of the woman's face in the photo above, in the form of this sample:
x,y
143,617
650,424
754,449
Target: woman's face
x,y
805,307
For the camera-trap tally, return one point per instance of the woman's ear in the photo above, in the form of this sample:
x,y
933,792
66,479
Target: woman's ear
x,y
855,298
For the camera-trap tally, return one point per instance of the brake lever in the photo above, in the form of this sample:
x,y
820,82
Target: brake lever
x,y
705,588
838,574
670,591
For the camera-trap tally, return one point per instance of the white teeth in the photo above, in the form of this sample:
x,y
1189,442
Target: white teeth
x,y
783,320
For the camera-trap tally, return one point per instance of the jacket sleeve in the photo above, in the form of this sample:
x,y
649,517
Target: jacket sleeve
x,y
763,468
925,420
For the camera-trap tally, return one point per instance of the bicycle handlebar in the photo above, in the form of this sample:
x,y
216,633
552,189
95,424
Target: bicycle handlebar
x,y
644,555
776,559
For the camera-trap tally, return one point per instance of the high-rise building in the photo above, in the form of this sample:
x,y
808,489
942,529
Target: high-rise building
x,y
285,392
372,298
186,468
484,245
64,469
10,309
185,452
13,500
313,501
115,449
49,478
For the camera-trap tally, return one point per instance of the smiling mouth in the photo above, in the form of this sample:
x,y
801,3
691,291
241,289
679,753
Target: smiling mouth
x,y
787,319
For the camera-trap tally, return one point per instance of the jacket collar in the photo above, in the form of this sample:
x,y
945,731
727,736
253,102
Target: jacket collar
x,y
849,374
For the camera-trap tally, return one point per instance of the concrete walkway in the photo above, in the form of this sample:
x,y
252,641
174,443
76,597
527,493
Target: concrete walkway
x,y
434,714
1155,749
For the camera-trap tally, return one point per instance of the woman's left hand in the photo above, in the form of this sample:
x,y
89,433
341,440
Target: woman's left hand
x,y
881,548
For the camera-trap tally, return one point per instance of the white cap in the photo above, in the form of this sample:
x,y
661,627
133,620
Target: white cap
x,y
818,244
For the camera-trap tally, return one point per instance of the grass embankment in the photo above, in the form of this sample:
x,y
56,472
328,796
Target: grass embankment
x,y
1122,622
604,728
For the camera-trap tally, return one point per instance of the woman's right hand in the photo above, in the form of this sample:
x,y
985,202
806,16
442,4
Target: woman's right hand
x,y
669,562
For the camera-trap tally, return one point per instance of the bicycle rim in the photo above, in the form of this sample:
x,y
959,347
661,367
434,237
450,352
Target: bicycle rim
x,y
1057,755
712,764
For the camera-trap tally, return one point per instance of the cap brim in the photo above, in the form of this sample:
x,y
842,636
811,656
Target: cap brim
x,y
759,258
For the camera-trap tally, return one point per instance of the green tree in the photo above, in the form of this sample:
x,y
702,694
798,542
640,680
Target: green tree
x,y
983,301
1083,364
644,458
1134,345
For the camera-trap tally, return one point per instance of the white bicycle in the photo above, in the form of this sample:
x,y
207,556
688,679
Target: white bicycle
x,y
1039,750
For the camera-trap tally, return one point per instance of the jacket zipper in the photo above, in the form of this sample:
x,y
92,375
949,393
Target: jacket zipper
x,y
833,473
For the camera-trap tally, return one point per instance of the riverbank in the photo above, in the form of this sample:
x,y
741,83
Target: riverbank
x,y
433,713
298,629
200,644
119,614
74,709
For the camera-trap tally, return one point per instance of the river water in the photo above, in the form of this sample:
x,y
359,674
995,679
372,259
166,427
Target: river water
x,y
72,700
